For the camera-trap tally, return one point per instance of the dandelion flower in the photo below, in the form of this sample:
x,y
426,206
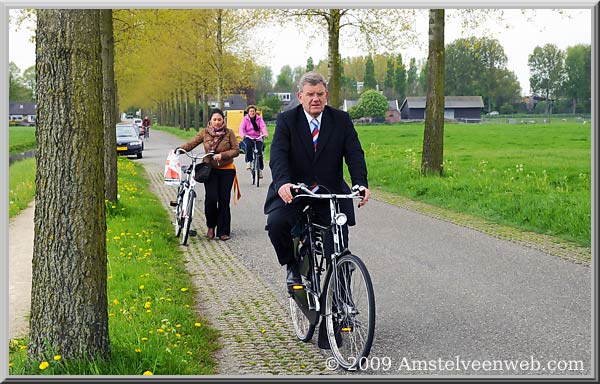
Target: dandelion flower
x,y
142,286
147,305
148,373
57,357
184,289
144,339
197,325
116,302
137,350
44,365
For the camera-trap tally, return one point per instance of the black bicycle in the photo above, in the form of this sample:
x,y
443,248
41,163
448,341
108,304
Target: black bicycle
x,y
345,299
256,160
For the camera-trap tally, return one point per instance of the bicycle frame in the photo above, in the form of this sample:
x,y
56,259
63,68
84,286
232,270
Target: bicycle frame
x,y
318,260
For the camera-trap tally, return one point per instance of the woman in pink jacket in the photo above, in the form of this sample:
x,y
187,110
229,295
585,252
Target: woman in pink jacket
x,y
252,127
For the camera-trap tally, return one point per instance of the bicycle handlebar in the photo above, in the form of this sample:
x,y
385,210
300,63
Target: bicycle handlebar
x,y
191,155
357,193
255,139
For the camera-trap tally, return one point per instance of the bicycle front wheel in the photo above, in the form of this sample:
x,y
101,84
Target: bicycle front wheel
x,y
350,311
187,219
256,171
179,212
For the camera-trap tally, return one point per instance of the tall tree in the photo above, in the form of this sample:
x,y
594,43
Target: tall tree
x,y
376,27
546,65
400,78
109,104
69,308
577,68
310,66
29,79
433,137
412,79
284,80
17,89
370,82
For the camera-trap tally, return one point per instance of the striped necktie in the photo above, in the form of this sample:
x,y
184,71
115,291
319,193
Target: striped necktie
x,y
314,129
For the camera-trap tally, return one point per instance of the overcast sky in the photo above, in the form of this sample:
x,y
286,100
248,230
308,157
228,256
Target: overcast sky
x,y
517,35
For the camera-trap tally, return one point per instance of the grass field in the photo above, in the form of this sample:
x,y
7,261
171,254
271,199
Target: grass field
x,y
21,139
531,177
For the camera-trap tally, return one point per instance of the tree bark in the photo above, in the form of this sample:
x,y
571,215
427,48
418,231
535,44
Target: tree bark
x,y
69,308
108,105
433,136
333,32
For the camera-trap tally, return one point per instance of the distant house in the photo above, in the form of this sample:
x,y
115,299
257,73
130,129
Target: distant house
x,y
460,108
231,102
22,112
392,115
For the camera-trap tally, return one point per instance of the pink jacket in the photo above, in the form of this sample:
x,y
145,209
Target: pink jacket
x,y
246,128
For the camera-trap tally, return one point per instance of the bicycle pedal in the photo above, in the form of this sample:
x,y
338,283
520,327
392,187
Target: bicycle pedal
x,y
193,232
346,329
297,287
173,203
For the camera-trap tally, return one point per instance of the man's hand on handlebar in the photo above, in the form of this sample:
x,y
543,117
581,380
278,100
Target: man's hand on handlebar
x,y
285,192
364,192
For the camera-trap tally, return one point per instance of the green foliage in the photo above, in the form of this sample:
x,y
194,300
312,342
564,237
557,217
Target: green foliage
x,y
370,104
152,322
533,177
18,86
271,105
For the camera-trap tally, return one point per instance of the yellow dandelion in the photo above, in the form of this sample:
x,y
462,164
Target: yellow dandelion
x,y
148,310
148,241
111,315
116,238
168,289
44,365
147,304
178,326
142,286
303,366
160,330
197,325
10,365
137,350
169,299
178,335
184,289
116,302
22,347
189,353
144,339
57,357
148,373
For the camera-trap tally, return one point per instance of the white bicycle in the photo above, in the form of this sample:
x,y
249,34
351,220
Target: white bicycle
x,y
186,196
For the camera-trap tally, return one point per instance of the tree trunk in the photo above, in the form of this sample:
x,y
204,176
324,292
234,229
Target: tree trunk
x,y
219,58
333,61
196,109
433,137
69,308
108,105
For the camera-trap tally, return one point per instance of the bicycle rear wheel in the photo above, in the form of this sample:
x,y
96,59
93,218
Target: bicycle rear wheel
x,y
302,326
187,220
350,311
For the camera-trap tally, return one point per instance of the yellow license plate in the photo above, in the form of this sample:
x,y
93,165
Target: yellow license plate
x,y
121,148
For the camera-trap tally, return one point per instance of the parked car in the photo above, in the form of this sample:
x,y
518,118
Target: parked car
x,y
128,141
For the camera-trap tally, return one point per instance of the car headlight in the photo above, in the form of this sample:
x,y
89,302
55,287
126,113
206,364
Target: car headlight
x,y
136,143
341,219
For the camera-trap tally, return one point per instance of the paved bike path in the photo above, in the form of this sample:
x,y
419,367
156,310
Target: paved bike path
x,y
442,290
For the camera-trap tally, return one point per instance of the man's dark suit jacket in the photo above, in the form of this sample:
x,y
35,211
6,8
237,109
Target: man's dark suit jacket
x,y
293,159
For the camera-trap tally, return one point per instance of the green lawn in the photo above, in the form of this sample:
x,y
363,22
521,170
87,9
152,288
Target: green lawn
x,y
535,177
21,139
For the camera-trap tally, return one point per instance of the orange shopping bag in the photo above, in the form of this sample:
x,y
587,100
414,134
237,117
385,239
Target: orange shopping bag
x,y
172,169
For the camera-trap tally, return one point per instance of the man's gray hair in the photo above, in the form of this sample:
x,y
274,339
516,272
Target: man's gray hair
x,y
312,78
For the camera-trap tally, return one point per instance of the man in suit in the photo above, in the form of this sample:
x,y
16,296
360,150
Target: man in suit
x,y
309,145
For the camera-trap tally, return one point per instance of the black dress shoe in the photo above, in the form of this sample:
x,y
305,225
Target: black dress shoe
x,y
293,274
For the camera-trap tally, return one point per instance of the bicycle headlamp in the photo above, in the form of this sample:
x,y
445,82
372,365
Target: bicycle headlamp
x,y
341,219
